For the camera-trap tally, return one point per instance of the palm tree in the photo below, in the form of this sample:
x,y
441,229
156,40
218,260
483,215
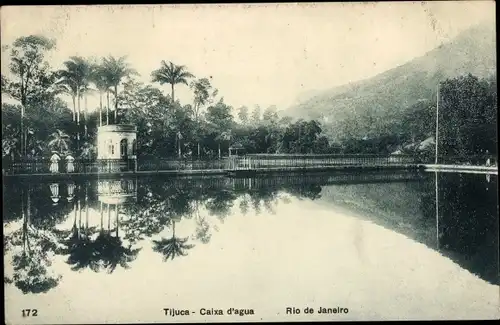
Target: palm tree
x,y
67,85
59,140
76,74
86,90
171,74
114,71
172,247
102,84
76,77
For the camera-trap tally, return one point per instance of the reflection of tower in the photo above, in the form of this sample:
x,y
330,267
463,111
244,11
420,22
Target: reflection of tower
x,y
114,193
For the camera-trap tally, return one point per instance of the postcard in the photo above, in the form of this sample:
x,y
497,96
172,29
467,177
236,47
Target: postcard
x,y
250,162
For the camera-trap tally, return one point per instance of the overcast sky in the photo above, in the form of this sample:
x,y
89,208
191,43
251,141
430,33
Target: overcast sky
x,y
257,54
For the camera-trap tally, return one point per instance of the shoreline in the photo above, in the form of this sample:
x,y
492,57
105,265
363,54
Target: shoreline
x,y
260,171
214,172
461,169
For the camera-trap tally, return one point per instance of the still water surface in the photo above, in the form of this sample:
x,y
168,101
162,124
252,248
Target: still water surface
x,y
122,250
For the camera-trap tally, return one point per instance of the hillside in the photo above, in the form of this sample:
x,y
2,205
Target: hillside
x,y
368,107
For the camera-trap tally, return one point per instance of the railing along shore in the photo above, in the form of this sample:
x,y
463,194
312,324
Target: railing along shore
x,y
282,162
258,161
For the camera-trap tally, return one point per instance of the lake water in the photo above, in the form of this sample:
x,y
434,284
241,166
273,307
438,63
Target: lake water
x,y
370,247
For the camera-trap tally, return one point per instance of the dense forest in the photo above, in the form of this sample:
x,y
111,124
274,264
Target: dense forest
x,y
42,121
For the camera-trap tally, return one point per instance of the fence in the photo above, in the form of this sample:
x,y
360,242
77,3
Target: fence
x,y
45,165
290,161
252,161
182,164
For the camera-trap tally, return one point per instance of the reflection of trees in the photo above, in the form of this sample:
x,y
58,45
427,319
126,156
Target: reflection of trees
x,y
107,251
219,203
160,204
202,231
310,191
157,204
44,214
30,264
268,196
468,222
79,245
12,193
244,204
110,249
163,204
172,247
111,252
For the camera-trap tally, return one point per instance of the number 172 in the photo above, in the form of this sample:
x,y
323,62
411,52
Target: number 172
x,y
30,312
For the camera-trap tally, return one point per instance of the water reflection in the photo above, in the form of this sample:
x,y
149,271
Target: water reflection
x,y
30,247
101,225
468,222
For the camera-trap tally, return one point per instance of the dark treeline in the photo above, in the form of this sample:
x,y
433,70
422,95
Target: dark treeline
x,y
468,116
467,123
42,122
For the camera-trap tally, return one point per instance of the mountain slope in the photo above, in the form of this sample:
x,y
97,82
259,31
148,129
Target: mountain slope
x,y
369,106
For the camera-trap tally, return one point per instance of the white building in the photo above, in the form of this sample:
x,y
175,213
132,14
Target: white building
x,y
116,141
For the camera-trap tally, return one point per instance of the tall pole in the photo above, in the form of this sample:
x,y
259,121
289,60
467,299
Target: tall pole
x,y
437,209
437,124
22,132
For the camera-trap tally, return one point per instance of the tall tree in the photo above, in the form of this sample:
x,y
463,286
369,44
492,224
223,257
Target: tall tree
x,y
76,76
256,115
467,117
221,121
102,85
243,114
270,115
204,94
27,67
115,70
172,74
68,87
88,75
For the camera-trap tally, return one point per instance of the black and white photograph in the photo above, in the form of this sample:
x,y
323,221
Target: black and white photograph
x,y
272,162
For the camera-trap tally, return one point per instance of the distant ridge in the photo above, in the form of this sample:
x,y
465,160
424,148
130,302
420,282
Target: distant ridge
x,y
367,106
